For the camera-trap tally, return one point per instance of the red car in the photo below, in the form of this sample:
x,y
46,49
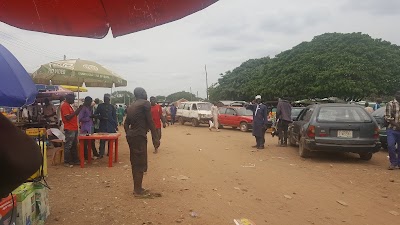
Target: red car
x,y
236,117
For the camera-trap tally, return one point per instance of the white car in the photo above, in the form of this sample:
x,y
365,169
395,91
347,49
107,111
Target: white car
x,y
194,112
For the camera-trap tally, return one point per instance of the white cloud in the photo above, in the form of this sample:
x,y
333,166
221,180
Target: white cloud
x,y
171,57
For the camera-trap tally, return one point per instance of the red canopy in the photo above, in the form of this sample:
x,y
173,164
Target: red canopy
x,y
93,18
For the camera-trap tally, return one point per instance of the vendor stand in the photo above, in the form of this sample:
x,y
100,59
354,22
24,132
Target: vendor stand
x,y
28,204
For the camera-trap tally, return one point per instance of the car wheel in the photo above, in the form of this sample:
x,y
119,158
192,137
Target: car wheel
x,y
244,126
303,152
195,122
181,121
366,156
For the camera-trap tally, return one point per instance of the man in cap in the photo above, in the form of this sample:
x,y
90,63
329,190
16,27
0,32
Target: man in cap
x,y
107,115
260,121
137,123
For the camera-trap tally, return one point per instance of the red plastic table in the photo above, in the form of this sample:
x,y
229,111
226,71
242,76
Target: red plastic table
x,y
111,137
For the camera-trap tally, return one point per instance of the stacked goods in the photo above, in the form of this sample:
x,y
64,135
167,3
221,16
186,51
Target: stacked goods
x,y
32,204
26,204
42,202
8,210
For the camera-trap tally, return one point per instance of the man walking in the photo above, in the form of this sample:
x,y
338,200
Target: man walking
x,y
214,114
156,113
284,114
392,116
107,115
173,113
70,121
260,121
137,123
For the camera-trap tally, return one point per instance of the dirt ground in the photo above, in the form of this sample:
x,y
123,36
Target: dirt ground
x,y
219,177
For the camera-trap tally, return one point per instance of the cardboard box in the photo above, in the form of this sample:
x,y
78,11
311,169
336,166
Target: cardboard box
x,y
26,204
42,202
8,210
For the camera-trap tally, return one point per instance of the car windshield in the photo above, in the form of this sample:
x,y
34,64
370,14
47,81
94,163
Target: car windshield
x,y
203,106
379,112
343,114
296,111
244,112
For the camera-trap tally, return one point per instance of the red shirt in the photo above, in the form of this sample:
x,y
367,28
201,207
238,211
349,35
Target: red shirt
x,y
72,124
156,113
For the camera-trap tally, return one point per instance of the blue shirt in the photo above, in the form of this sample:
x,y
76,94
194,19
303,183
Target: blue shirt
x,y
107,115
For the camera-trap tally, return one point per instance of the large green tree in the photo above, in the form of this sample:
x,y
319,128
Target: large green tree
x,y
349,66
122,97
182,94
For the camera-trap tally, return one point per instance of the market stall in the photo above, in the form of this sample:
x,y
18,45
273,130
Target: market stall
x,y
28,204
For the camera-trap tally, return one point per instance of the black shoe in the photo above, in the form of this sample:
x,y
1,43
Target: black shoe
x,y
77,163
101,156
261,147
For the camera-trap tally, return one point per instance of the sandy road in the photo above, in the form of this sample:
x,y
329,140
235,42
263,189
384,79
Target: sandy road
x,y
226,179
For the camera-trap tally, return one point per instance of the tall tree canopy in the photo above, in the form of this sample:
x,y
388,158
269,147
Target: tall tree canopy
x,y
182,94
348,66
122,97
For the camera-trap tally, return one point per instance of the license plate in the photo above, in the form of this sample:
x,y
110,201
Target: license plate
x,y
345,133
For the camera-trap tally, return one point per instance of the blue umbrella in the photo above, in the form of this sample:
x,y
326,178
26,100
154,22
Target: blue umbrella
x,y
16,86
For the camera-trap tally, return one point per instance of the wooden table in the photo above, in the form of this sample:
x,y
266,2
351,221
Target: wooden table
x,y
111,137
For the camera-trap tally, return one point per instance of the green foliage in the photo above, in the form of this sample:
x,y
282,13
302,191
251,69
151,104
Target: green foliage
x,y
182,94
122,97
160,98
348,66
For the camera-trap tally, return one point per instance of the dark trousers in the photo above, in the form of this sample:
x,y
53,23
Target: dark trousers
x,y
158,135
172,119
86,146
70,147
260,140
283,127
393,138
138,153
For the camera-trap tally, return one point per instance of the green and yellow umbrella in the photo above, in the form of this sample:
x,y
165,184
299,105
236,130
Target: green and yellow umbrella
x,y
75,72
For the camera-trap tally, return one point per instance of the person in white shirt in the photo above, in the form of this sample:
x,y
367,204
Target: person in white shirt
x,y
214,123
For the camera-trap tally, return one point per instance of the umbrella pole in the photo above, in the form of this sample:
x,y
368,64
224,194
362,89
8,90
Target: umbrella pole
x,y
78,96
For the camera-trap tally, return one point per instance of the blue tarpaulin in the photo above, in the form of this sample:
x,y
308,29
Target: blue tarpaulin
x,y
16,86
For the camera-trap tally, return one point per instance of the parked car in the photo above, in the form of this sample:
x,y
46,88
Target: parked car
x,y
379,115
194,112
236,117
335,127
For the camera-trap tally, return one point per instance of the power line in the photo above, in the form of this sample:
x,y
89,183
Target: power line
x,y
22,42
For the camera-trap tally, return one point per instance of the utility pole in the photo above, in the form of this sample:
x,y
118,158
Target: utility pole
x,y
191,95
65,57
205,67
